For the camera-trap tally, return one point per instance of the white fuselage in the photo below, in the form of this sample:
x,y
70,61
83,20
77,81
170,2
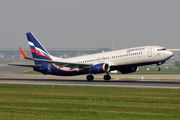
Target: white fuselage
x,y
137,56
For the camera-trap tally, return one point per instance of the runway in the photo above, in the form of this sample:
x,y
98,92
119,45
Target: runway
x,y
12,77
112,83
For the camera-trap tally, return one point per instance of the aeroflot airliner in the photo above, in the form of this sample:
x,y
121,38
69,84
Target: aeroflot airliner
x,y
125,60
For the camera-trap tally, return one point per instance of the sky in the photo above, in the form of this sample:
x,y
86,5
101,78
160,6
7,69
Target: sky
x,y
116,24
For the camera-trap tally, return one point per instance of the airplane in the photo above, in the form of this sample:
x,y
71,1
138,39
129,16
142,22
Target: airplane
x,y
125,60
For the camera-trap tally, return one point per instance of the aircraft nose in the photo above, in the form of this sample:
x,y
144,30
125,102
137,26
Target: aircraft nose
x,y
169,53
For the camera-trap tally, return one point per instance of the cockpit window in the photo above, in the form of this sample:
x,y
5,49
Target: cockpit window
x,y
161,49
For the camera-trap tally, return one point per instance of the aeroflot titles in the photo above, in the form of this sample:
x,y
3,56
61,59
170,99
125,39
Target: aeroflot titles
x,y
136,49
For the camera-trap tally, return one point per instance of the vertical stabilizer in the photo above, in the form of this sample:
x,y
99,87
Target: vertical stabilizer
x,y
37,49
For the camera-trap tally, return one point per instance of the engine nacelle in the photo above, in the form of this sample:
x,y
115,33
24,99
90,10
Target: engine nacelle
x,y
128,70
100,68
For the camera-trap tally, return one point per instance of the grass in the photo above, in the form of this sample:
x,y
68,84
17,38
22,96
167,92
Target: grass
x,y
31,72
87,103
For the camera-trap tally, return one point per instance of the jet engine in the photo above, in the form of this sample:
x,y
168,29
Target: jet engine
x,y
100,68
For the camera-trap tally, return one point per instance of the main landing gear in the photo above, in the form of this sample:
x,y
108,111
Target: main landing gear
x,y
91,77
107,77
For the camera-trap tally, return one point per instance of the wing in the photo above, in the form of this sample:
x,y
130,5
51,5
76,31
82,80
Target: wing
x,y
34,66
59,63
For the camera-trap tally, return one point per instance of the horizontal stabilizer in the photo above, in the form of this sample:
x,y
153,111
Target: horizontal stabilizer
x,y
34,66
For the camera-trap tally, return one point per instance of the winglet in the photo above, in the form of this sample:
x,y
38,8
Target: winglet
x,y
23,53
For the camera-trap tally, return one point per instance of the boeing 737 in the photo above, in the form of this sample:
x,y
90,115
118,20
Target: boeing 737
x,y
125,60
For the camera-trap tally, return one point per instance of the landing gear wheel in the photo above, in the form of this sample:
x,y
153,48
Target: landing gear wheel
x,y
90,77
107,77
158,68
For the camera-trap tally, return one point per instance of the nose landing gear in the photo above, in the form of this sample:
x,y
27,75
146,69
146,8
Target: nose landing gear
x,y
158,68
159,63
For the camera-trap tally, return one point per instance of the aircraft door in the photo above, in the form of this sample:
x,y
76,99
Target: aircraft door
x,y
149,52
49,67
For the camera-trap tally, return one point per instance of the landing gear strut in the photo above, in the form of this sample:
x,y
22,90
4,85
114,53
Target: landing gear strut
x,y
90,77
107,77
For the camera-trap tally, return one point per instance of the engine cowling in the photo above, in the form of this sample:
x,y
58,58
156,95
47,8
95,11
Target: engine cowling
x,y
128,70
100,68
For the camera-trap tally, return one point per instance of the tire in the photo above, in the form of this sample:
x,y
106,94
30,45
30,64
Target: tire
x,y
158,68
107,77
90,77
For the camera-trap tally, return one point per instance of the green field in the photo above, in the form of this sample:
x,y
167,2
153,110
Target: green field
x,y
87,103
